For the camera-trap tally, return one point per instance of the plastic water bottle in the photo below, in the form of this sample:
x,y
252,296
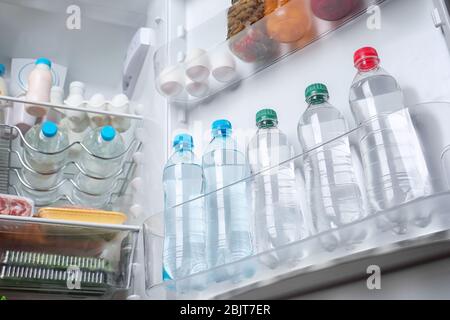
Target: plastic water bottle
x,y
394,166
332,191
102,163
44,165
228,214
185,225
278,218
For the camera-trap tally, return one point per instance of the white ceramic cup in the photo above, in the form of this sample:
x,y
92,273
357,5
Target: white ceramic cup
x,y
223,67
198,66
197,89
171,81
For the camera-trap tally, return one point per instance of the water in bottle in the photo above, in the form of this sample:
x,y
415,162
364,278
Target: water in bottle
x,y
185,225
101,161
45,155
334,196
278,218
228,214
394,165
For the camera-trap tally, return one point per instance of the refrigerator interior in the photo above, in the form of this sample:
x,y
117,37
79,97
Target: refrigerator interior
x,y
411,48
95,55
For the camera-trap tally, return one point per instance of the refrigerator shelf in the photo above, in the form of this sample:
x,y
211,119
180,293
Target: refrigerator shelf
x,y
137,108
248,52
14,170
315,260
395,230
61,257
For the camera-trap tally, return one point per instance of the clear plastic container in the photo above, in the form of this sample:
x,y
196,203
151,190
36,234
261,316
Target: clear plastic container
x,y
101,163
45,154
275,198
228,211
394,164
425,219
334,196
185,226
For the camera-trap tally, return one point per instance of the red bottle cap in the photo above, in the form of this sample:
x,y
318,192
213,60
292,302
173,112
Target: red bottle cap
x,y
366,58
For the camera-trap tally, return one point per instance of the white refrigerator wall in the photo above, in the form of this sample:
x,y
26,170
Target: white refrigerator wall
x,y
411,49
94,54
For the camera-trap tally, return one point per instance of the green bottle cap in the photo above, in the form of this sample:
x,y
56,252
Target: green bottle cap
x,y
316,93
266,115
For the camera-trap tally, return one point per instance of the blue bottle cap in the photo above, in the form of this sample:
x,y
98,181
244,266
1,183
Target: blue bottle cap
x,y
221,128
108,133
44,61
185,139
49,129
2,70
221,125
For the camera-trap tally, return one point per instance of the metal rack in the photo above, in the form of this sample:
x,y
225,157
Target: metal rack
x,y
13,164
12,144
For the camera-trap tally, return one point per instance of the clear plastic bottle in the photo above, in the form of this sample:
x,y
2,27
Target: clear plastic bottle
x,y
46,163
394,165
228,214
185,226
332,191
278,218
101,168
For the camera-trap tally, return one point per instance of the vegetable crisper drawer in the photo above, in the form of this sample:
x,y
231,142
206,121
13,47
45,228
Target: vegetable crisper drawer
x,y
400,225
60,257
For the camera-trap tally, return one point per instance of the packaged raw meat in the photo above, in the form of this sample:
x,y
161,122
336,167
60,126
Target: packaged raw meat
x,y
16,206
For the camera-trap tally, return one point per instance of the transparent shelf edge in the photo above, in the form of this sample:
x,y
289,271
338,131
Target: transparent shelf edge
x,y
65,107
202,285
68,223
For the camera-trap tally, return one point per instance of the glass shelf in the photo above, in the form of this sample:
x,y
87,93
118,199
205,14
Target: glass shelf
x,y
254,48
82,108
401,225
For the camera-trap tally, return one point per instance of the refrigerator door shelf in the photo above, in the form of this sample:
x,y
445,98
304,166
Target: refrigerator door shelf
x,y
396,230
227,60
